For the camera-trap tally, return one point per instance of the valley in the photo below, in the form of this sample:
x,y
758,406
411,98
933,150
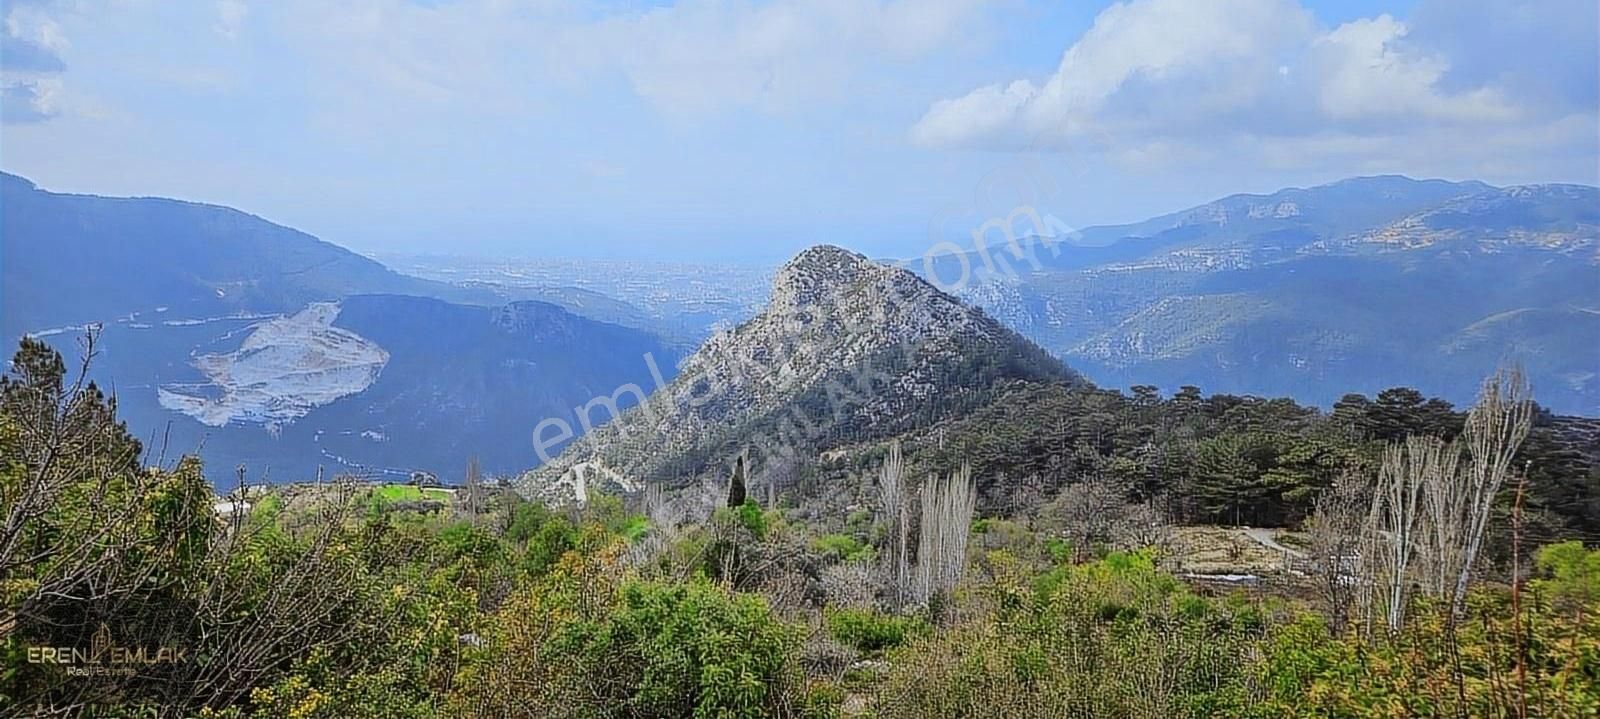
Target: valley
x,y
1308,293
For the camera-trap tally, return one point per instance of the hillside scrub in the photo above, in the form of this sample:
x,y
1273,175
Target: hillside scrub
x,y
348,607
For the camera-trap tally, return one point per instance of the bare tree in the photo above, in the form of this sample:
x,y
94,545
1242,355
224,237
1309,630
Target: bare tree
x,y
1431,510
1144,525
472,499
1335,529
1496,427
780,472
947,507
892,511
1445,506
1087,512
1408,467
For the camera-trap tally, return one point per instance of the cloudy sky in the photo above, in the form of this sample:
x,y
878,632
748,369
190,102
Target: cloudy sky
x,y
743,130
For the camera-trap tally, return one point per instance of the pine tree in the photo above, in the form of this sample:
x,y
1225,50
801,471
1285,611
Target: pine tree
x,y
736,488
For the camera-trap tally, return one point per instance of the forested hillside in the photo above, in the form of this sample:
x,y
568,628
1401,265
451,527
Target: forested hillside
x,y
847,349
1215,459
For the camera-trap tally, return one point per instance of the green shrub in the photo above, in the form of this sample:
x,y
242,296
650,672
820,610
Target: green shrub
x,y
872,631
753,519
1574,573
841,547
1439,666
1113,638
645,648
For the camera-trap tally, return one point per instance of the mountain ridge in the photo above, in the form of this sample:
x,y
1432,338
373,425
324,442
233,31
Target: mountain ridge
x,y
1326,296
253,343
846,349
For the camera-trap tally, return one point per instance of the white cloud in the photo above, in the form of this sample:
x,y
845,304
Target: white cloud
x,y
1214,52
693,57
1366,70
705,54
31,47
30,100
1156,79
30,23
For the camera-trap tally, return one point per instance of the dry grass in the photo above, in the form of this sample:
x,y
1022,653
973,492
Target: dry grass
x,y
1219,550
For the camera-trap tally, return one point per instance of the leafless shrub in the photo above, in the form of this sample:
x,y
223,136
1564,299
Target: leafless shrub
x,y
1095,511
1085,513
788,591
823,656
848,585
1335,529
1144,525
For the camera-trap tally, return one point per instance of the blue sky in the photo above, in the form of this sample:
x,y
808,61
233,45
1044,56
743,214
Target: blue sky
x,y
745,130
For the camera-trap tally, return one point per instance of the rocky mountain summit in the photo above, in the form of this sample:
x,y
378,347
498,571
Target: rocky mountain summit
x,y
847,350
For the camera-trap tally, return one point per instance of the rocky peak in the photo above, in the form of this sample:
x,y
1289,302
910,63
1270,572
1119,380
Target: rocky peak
x,y
818,273
847,348
826,285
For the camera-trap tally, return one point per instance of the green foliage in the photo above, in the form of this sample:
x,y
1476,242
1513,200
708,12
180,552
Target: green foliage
x,y
1114,638
1574,573
592,645
694,649
841,547
749,516
1059,550
310,607
871,631
409,493
1493,663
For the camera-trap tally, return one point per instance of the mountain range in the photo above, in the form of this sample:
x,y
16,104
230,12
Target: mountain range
x,y
1354,286
255,344
264,346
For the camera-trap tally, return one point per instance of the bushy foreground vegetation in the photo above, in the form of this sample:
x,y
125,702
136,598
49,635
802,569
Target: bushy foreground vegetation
x,y
339,600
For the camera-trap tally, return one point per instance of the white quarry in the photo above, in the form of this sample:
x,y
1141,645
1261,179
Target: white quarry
x,y
285,368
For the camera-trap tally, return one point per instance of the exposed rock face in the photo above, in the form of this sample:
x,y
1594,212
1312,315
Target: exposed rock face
x,y
284,369
847,349
388,384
